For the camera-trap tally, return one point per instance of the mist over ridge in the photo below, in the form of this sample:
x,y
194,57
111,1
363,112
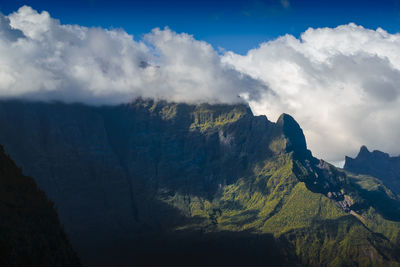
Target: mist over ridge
x,y
339,83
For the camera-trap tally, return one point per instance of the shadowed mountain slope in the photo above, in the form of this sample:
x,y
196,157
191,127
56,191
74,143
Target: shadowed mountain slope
x,y
377,164
30,233
186,184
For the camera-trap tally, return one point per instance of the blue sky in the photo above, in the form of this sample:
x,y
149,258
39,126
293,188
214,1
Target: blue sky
x,y
233,25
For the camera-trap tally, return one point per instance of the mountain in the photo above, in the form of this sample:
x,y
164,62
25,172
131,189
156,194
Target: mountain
x,y
30,233
171,183
377,164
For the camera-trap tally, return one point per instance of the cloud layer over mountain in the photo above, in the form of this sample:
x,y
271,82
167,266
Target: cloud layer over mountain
x,y
341,84
42,59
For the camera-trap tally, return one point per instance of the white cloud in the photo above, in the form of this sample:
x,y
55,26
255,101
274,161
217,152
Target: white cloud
x,y
341,84
42,59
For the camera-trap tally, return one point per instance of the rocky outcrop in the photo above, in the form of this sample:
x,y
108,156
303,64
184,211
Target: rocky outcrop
x,y
296,140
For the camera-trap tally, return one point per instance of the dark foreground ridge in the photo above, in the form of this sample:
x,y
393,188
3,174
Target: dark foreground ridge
x,y
167,183
30,233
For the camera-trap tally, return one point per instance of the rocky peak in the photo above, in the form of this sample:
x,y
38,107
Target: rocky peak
x,y
296,141
366,154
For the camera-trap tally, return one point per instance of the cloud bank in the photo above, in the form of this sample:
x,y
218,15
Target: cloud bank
x,y
341,84
42,59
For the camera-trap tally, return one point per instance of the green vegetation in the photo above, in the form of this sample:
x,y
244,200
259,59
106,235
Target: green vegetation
x,y
168,112
212,182
371,184
273,200
378,205
377,223
341,242
288,198
206,117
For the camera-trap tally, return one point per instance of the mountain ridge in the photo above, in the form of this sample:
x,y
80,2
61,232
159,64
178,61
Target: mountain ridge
x,y
133,179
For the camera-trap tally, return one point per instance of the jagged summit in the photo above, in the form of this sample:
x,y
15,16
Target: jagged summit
x,y
365,153
378,164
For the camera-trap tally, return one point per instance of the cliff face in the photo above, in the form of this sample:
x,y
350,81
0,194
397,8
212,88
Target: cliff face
x,y
30,233
157,181
377,164
105,167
